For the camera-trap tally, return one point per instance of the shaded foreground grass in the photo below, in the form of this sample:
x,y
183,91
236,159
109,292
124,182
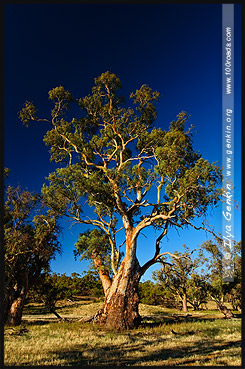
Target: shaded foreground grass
x,y
165,338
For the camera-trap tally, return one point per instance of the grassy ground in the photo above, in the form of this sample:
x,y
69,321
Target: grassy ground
x,y
167,337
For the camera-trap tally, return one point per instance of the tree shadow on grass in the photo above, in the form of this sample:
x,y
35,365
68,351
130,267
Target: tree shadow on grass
x,y
238,315
124,354
35,310
203,351
38,309
152,321
27,322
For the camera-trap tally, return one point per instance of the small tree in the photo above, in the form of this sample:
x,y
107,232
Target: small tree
x,y
151,293
131,174
214,267
235,290
218,288
175,274
52,288
231,291
198,287
31,240
92,285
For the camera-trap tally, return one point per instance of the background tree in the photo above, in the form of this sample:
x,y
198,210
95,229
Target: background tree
x,y
31,240
131,174
92,285
197,287
235,288
213,262
151,293
176,273
53,287
218,288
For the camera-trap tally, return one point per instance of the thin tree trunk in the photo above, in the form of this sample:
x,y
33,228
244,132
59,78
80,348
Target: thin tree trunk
x,y
223,309
53,311
184,302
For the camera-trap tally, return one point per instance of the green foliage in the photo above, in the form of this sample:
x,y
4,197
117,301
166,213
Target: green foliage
x,y
29,233
235,291
147,293
51,288
27,113
91,285
92,245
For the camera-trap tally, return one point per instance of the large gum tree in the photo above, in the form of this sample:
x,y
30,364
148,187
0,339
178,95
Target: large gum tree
x,y
131,174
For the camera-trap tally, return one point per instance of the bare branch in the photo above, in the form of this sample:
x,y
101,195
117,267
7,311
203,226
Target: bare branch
x,y
157,255
203,228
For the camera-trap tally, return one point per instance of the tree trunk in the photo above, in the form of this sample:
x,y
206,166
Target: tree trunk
x,y
184,302
223,309
53,311
15,312
103,274
196,305
120,309
15,304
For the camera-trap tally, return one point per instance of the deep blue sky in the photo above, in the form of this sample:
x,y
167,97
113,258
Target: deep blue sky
x,y
175,49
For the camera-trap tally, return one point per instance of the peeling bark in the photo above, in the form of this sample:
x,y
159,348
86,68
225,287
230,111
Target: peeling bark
x,y
120,309
121,306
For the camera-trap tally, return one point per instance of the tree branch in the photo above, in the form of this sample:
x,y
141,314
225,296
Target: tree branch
x,y
157,255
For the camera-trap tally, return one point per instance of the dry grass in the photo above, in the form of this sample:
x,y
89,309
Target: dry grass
x,y
204,339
